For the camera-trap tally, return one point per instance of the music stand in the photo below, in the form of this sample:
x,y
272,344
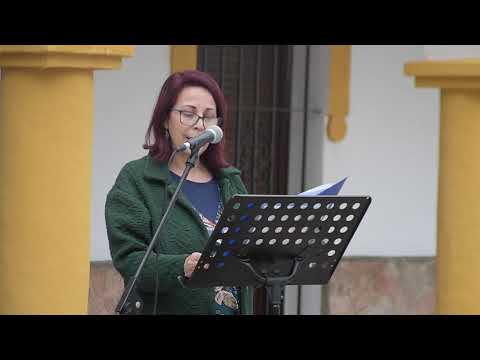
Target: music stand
x,y
274,241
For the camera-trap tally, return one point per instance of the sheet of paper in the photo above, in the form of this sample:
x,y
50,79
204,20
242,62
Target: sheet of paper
x,y
325,189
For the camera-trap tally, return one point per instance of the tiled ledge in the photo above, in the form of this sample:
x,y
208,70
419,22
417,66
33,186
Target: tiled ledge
x,y
359,286
382,286
106,286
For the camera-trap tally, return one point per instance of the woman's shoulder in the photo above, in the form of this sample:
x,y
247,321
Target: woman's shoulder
x,y
234,176
230,171
135,166
144,166
132,171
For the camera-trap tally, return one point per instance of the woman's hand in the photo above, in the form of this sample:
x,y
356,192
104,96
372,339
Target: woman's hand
x,y
190,263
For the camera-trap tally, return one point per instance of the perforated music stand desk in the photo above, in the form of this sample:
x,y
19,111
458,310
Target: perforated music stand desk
x,y
274,241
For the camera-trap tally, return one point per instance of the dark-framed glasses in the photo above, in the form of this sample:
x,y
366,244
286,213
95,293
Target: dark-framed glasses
x,y
190,118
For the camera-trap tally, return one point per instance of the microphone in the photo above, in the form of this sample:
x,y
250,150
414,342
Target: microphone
x,y
213,134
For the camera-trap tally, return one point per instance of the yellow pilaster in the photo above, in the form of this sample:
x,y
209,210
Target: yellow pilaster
x,y
46,123
183,57
458,237
339,85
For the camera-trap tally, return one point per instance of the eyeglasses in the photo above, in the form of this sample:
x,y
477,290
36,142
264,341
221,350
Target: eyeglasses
x,y
190,118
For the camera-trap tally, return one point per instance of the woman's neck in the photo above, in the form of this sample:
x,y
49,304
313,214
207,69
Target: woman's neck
x,y
199,173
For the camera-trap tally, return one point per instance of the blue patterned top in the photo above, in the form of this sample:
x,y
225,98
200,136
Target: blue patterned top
x,y
206,200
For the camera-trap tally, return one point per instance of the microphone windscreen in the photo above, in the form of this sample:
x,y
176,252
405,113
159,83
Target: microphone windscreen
x,y
218,133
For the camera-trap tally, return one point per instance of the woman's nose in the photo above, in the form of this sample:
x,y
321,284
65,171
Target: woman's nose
x,y
200,125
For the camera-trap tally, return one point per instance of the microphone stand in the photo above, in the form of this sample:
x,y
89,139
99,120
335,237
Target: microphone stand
x,y
130,303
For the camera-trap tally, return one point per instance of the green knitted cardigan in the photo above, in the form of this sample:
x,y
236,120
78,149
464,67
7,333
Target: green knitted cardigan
x,y
133,210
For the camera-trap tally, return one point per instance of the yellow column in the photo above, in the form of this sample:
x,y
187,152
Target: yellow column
x,y
458,237
46,123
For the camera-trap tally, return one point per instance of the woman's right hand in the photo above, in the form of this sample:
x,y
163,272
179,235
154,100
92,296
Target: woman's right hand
x,y
190,263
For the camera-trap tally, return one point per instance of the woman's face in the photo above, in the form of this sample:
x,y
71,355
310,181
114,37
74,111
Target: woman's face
x,y
193,100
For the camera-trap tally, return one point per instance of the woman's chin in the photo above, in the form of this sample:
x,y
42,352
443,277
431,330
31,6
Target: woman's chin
x,y
202,150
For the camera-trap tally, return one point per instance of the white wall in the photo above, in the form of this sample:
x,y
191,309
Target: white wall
x,y
390,153
124,101
319,60
447,52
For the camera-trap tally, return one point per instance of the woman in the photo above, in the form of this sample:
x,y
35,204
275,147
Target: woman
x,y
189,102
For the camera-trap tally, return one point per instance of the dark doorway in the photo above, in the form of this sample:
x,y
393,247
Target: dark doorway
x,y
256,80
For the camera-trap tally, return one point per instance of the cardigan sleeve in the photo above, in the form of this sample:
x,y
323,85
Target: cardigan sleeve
x,y
129,233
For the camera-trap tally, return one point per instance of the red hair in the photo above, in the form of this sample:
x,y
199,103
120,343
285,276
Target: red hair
x,y
161,148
